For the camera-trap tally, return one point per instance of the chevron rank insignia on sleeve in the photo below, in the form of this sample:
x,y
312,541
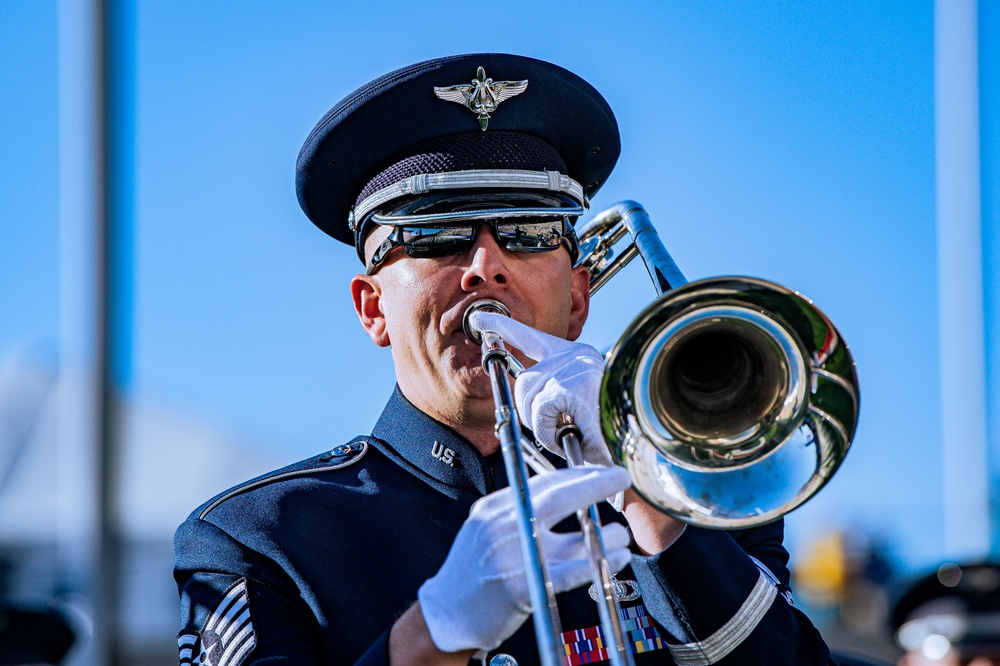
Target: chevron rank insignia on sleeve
x,y
227,636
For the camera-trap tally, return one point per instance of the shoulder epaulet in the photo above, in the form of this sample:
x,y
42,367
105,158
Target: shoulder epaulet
x,y
338,457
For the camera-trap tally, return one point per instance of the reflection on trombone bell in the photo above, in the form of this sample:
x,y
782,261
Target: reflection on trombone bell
x,y
730,401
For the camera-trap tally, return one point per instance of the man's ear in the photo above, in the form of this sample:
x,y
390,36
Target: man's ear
x,y
580,302
368,304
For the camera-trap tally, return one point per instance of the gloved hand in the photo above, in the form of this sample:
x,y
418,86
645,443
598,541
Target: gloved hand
x,y
566,379
479,597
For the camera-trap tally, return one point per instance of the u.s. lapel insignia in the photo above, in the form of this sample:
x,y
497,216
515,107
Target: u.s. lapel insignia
x,y
443,453
482,96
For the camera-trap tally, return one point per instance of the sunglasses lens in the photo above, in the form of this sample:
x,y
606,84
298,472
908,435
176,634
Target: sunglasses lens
x,y
525,235
530,235
437,241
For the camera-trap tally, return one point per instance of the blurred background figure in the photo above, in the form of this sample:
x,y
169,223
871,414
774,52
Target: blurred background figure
x,y
950,617
842,579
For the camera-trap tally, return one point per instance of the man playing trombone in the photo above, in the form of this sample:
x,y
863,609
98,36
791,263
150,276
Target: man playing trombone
x,y
457,180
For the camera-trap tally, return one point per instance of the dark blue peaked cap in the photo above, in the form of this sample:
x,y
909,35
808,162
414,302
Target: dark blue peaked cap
x,y
969,592
397,115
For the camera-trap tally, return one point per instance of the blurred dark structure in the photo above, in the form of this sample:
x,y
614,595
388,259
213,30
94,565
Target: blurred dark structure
x,y
33,635
847,659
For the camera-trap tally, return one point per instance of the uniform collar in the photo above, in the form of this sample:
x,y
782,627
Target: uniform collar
x,y
435,449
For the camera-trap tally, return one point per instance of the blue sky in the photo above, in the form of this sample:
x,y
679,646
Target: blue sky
x,y
787,140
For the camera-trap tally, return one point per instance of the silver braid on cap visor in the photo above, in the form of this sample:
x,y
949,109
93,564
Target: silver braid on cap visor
x,y
513,179
396,219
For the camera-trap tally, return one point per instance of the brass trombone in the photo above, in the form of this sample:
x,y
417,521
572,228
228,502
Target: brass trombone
x,y
730,401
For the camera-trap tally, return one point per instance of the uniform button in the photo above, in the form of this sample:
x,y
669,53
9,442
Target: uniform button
x,y
345,454
503,660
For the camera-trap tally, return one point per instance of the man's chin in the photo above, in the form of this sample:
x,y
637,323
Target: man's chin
x,y
465,364
473,382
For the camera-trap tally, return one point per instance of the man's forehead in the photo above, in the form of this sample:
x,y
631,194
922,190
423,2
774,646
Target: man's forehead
x,y
487,102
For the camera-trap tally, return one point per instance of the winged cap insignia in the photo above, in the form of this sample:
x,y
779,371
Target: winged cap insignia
x,y
481,96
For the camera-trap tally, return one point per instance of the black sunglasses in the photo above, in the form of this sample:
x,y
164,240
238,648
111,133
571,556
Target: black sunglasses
x,y
528,234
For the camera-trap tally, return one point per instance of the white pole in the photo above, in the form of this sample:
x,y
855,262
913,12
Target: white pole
x,y
80,196
960,280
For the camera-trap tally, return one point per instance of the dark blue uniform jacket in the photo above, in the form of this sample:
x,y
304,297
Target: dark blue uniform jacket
x,y
311,564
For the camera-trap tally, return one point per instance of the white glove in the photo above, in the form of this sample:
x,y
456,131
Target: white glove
x,y
479,597
566,379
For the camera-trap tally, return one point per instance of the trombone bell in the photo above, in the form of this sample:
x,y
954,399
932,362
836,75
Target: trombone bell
x,y
730,401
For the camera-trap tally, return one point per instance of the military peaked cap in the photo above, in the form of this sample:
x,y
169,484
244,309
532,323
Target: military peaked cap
x,y
958,602
459,113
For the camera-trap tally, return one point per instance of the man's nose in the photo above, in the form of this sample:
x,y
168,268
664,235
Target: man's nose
x,y
488,262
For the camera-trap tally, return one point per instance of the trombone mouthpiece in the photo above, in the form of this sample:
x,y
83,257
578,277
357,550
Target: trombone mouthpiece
x,y
482,305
